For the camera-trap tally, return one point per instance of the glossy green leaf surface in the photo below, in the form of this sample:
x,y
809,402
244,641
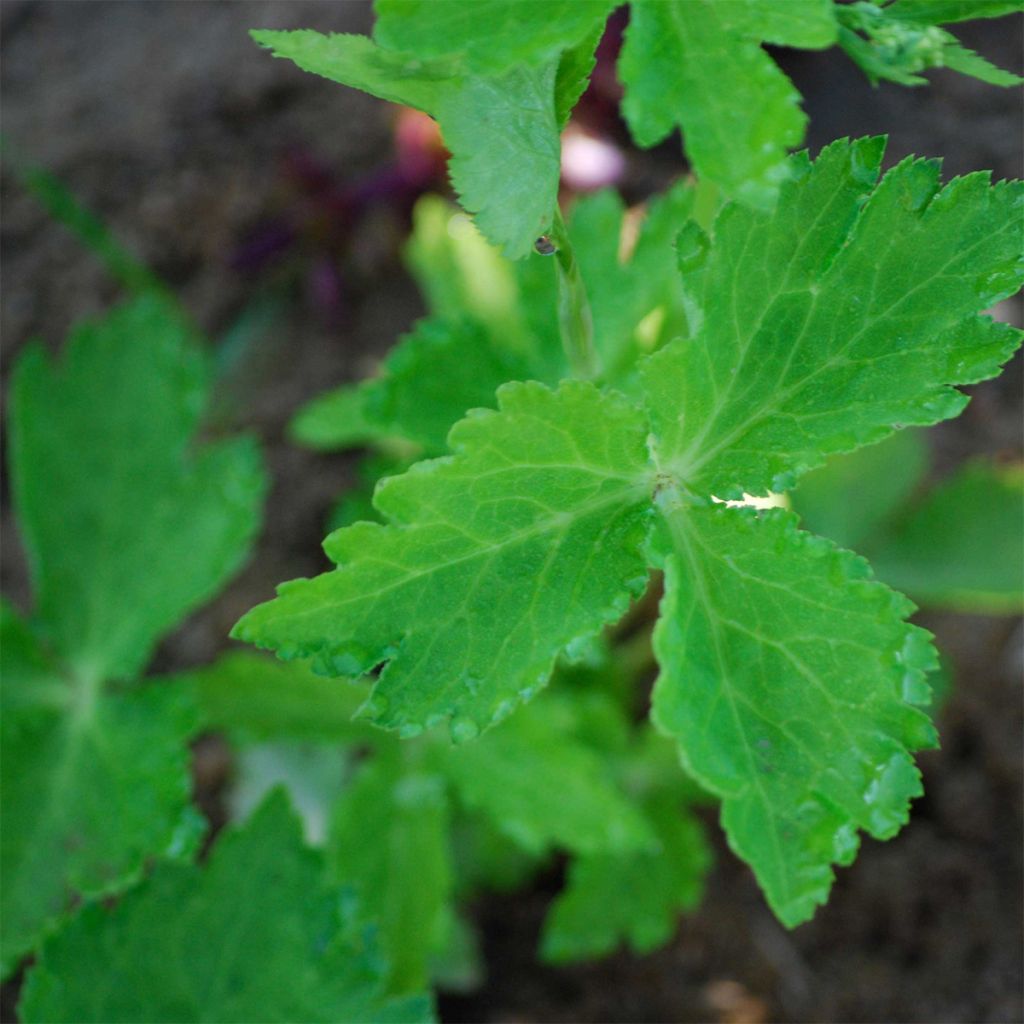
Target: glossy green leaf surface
x,y
502,130
254,935
804,730
487,567
788,675
700,66
845,314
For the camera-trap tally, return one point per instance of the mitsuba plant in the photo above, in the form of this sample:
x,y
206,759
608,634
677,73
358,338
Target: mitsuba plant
x,y
781,311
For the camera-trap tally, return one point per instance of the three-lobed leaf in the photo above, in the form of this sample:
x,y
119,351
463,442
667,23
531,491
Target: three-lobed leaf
x,y
850,311
502,76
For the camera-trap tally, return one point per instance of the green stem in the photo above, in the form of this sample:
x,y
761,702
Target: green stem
x,y
574,320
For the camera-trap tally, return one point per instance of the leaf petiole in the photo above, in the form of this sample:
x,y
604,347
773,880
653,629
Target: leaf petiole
x,y
575,322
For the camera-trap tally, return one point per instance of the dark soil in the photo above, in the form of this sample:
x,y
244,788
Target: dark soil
x,y
186,139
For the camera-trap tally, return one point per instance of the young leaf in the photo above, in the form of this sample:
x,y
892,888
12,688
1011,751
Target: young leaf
x,y
462,276
634,896
507,328
389,840
962,547
624,293
899,41
68,756
430,379
337,419
493,35
501,130
845,314
254,935
507,777
128,525
487,568
701,66
802,730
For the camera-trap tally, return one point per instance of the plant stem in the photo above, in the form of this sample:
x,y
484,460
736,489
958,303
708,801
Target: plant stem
x,y
574,320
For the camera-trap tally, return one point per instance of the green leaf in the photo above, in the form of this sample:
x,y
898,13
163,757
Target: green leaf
x,y
962,547
263,698
492,325
843,315
634,896
940,12
128,524
574,70
254,935
389,840
852,497
828,324
494,36
636,302
785,676
337,419
429,380
501,130
486,569
462,276
70,758
700,66
543,788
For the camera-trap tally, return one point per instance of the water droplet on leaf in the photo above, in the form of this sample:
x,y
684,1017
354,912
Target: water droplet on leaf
x,y
464,730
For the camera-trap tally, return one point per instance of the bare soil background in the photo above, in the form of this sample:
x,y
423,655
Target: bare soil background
x,y
169,123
